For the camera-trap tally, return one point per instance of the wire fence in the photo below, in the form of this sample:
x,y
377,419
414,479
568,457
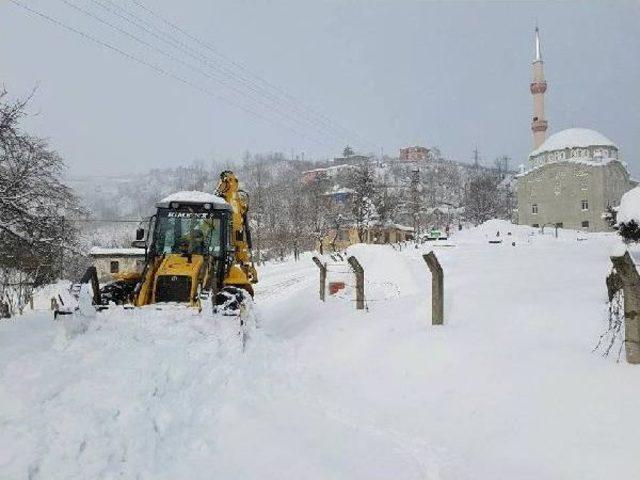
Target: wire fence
x,y
385,291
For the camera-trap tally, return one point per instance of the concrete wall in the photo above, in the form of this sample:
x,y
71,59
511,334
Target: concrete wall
x,y
558,190
346,237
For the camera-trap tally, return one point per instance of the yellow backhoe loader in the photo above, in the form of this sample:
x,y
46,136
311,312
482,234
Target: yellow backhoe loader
x,y
197,247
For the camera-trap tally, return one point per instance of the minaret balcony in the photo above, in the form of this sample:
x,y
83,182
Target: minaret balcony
x,y
539,125
538,87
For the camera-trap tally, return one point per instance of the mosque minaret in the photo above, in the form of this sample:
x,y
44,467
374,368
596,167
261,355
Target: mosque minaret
x,y
538,88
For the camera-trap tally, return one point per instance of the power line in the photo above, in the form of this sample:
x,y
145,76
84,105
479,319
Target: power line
x,y
150,65
220,68
238,65
172,57
168,55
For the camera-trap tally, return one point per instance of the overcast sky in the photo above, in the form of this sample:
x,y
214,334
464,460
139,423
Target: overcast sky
x,y
380,74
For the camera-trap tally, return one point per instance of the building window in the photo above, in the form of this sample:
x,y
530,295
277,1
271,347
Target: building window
x,y
536,225
534,208
585,224
559,225
585,205
114,267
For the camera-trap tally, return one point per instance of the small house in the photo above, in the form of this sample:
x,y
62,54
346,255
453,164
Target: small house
x,y
111,262
378,233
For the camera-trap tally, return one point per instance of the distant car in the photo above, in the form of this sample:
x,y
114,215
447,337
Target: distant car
x,y
435,234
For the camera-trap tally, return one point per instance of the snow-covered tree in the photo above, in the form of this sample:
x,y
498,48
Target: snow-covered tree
x,y
362,182
481,200
37,240
628,216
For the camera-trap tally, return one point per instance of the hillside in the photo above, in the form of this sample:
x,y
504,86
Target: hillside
x,y
279,192
507,388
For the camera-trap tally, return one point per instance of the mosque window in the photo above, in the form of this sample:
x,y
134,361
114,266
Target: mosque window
x,y
585,224
585,205
534,208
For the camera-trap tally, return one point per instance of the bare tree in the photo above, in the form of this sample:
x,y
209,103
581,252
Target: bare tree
x,y
35,234
318,210
481,199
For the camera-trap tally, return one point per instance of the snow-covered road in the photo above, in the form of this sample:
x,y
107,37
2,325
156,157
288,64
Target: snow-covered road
x,y
507,388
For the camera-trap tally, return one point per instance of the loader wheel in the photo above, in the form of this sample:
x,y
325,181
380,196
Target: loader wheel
x,y
119,292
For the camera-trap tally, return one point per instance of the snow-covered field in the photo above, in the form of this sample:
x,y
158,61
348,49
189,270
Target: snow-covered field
x,y
508,388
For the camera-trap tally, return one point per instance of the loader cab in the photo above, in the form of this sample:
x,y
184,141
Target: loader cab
x,y
192,227
189,248
190,231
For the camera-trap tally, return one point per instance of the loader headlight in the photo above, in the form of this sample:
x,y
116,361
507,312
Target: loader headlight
x,y
207,206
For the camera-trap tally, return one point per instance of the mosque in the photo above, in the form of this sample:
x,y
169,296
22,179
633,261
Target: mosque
x,y
573,176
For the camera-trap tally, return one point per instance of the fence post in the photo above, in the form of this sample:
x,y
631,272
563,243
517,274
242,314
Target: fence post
x,y
323,276
627,272
359,271
437,289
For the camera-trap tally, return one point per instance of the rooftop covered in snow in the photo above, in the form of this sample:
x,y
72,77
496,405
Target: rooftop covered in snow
x,y
572,138
193,197
116,252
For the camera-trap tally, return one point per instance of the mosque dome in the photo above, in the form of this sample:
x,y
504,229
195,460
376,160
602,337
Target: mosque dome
x,y
574,144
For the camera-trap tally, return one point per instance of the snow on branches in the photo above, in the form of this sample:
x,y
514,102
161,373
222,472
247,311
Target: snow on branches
x,y
628,216
33,205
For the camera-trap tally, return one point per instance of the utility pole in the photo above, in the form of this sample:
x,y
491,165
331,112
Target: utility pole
x,y
415,199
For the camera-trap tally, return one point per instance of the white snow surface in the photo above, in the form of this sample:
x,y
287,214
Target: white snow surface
x,y
508,388
629,208
573,137
194,196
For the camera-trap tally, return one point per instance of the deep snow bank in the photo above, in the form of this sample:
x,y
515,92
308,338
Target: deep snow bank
x,y
507,388
629,206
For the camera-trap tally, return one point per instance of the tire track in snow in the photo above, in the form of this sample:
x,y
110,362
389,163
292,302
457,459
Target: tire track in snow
x,y
286,286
